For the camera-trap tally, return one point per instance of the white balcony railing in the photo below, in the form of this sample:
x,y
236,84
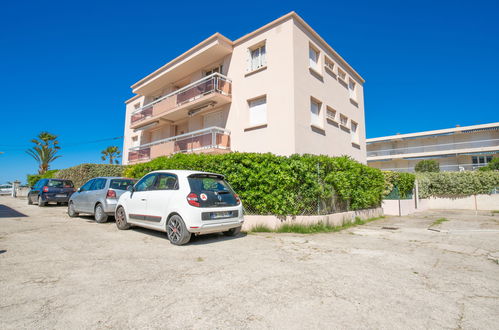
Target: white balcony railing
x,y
449,147
443,168
214,83
207,139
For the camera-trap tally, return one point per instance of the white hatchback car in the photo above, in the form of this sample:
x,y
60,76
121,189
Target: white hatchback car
x,y
181,203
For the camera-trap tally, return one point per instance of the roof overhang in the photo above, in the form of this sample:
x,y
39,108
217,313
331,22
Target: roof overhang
x,y
208,51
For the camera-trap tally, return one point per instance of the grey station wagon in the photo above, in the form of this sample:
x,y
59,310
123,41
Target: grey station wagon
x,y
98,197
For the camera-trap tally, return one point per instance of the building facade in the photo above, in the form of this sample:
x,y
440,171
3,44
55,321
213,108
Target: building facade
x,y
455,149
279,89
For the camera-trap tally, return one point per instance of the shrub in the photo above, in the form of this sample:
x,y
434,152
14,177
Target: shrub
x,y
84,172
492,166
457,184
403,181
33,178
270,184
427,165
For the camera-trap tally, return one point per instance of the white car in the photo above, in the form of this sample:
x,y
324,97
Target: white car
x,y
181,203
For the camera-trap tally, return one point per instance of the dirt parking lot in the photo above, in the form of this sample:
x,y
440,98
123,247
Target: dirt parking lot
x,y
58,272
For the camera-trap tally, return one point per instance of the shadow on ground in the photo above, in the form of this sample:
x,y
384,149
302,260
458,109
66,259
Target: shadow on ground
x,y
195,240
7,212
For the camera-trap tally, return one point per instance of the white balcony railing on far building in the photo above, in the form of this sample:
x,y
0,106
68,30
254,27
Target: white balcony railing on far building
x,y
443,168
450,147
211,140
214,83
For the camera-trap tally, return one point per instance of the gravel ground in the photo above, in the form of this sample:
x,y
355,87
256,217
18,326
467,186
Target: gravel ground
x,y
57,272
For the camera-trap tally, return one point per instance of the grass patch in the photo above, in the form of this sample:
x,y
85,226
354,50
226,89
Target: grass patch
x,y
495,211
439,221
320,227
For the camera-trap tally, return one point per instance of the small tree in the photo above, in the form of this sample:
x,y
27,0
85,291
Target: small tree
x,y
427,165
493,165
44,151
112,153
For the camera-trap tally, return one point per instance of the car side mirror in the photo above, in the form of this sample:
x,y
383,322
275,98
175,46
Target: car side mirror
x,y
79,190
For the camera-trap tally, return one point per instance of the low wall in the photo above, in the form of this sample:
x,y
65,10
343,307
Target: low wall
x,y
408,206
475,202
335,219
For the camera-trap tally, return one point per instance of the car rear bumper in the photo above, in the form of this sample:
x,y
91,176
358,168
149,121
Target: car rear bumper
x,y
55,198
208,228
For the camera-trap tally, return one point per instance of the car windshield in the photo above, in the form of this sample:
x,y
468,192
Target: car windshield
x,y
121,184
60,184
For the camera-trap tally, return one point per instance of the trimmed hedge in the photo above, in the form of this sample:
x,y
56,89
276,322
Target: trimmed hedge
x,y
403,181
270,184
33,178
427,165
457,184
84,172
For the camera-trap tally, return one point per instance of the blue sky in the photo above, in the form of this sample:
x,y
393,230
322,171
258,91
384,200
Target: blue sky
x,y
66,66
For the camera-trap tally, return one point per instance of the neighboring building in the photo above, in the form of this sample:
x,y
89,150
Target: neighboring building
x,y
455,149
279,89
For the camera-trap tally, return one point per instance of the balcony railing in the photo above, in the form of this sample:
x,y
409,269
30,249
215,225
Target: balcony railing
x,y
212,139
214,83
443,168
450,147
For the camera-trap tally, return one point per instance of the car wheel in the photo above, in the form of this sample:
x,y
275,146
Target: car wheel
x,y
41,203
99,215
71,210
233,231
120,216
177,231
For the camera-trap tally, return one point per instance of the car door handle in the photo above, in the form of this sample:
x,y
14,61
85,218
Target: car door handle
x,y
143,199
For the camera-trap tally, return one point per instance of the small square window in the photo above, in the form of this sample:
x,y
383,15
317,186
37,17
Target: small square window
x,y
331,114
342,74
343,120
258,57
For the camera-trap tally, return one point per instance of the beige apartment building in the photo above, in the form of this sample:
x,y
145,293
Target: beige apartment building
x,y
456,149
279,89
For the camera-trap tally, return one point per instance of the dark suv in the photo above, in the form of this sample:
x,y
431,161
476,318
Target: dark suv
x,y
50,190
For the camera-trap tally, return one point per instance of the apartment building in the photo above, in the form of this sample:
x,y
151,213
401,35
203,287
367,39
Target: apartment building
x,y
455,149
279,89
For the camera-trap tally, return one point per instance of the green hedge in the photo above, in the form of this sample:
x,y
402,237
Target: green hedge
x,y
457,184
403,181
84,172
270,184
33,178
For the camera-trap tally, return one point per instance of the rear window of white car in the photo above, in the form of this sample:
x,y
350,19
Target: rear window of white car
x,y
121,184
212,190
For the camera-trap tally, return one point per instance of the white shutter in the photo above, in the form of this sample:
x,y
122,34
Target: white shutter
x,y
315,113
258,112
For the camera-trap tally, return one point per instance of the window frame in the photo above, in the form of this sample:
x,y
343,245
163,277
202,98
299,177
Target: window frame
x,y
342,74
352,92
317,52
262,59
155,175
158,179
334,111
249,102
354,134
341,120
320,120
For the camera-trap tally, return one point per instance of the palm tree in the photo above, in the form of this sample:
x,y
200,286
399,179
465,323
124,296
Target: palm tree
x,y
111,152
44,151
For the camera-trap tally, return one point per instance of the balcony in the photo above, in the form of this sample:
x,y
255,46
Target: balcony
x,y
435,150
207,140
213,90
443,168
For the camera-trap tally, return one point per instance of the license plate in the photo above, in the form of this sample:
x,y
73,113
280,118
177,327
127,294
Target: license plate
x,y
60,195
217,215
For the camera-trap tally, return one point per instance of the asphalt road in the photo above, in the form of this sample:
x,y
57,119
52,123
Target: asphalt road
x,y
57,272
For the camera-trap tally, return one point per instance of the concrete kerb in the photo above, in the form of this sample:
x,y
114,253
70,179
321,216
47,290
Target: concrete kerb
x,y
335,219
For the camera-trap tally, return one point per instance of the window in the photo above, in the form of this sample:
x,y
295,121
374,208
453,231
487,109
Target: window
x,y
342,74
315,112
343,120
328,63
135,141
352,89
331,114
218,69
87,185
166,181
258,111
481,160
313,56
354,132
121,184
257,58
146,183
98,184
136,106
